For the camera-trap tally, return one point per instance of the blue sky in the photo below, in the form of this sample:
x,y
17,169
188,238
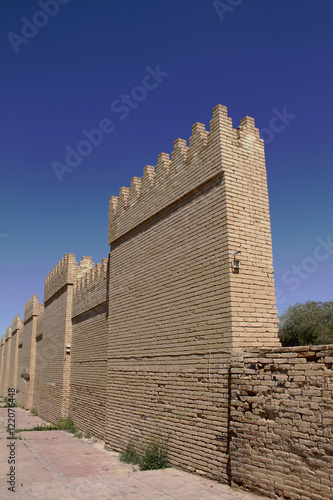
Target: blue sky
x,y
256,57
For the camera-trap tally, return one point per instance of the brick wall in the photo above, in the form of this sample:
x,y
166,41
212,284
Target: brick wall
x,y
17,326
167,335
89,352
2,364
41,359
167,340
53,363
281,422
27,354
176,310
7,357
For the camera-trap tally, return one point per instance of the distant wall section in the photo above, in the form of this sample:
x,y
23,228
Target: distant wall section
x,y
89,351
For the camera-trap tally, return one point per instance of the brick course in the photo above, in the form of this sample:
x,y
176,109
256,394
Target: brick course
x,y
281,422
165,339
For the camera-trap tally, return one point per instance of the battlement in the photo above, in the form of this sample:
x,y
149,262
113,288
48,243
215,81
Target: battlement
x,y
92,277
65,272
17,323
189,167
32,308
90,289
8,333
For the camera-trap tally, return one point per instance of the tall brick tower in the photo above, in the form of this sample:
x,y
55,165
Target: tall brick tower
x,y
53,362
177,306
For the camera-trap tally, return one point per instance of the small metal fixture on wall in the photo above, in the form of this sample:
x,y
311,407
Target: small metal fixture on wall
x,y
235,263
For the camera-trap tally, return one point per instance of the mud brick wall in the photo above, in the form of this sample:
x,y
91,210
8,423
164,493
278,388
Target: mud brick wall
x,y
176,310
167,332
27,354
53,363
3,364
7,357
166,340
17,326
51,355
281,422
89,352
180,398
41,360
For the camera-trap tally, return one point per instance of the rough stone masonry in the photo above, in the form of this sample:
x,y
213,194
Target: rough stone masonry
x,y
175,337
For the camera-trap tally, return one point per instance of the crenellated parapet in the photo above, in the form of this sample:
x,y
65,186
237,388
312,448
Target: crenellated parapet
x,y
188,168
8,333
67,271
92,277
32,308
90,290
16,324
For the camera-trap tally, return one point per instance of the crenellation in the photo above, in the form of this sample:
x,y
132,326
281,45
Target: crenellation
x,y
220,123
8,333
247,131
90,289
17,323
32,308
165,338
105,266
147,179
85,265
162,170
123,199
178,156
134,191
198,141
65,272
173,178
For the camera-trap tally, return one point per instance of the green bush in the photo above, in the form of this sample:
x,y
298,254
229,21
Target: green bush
x,y
130,455
154,456
310,323
8,404
67,424
64,424
40,428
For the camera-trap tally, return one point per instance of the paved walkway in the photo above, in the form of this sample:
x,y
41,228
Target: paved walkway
x,y
57,465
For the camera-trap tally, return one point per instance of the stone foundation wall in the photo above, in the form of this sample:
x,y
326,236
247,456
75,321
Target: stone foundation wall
x,y
281,420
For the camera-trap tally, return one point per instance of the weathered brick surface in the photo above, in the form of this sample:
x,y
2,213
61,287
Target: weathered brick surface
x,y
27,354
52,361
166,340
42,358
175,307
89,352
6,365
281,422
17,326
3,364
181,398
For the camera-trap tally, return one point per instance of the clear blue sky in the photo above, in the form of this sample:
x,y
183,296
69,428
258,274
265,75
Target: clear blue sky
x,y
62,78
